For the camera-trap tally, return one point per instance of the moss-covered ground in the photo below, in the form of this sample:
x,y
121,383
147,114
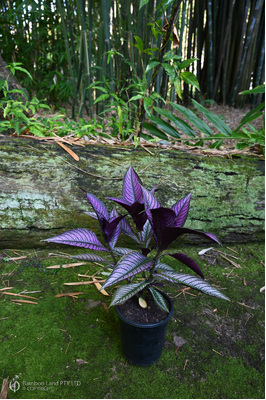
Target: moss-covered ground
x,y
69,347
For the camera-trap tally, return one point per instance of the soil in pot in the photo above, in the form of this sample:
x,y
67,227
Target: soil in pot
x,y
150,315
143,329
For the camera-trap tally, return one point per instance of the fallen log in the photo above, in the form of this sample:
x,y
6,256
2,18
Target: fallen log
x,y
41,195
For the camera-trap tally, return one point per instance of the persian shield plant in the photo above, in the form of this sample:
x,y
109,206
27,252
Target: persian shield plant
x,y
154,228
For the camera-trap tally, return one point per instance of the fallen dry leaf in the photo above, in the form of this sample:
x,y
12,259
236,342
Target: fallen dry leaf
x,y
105,307
69,294
81,283
99,286
24,301
20,295
66,265
4,389
80,361
74,155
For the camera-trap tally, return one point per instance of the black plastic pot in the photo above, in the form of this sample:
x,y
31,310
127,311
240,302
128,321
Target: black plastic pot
x,y
142,344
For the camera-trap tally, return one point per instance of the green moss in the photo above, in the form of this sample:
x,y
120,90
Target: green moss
x,y
41,343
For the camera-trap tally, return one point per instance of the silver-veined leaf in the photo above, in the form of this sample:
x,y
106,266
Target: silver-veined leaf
x,y
193,282
131,191
79,237
121,251
164,267
98,206
181,209
130,265
91,257
159,299
125,292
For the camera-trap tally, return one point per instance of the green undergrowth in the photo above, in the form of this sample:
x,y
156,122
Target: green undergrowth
x,y
69,347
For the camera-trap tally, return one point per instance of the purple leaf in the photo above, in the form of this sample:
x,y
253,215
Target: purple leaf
x,y
91,257
98,207
136,210
108,228
80,238
145,251
183,258
131,191
161,218
181,209
193,282
150,200
126,229
172,233
130,265
115,235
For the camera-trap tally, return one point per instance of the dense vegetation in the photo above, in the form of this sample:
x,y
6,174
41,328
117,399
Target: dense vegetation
x,y
120,62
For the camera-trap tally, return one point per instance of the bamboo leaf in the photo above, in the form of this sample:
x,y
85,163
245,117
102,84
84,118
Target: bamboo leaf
x,y
190,79
154,131
165,126
191,116
143,3
213,118
180,124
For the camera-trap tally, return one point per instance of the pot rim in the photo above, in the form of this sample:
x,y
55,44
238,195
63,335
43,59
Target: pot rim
x,y
154,325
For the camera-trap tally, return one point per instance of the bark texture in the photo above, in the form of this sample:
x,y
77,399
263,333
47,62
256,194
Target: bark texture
x,y
41,196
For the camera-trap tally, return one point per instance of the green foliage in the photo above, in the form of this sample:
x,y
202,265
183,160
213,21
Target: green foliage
x,y
19,114
16,109
194,371
63,45
245,134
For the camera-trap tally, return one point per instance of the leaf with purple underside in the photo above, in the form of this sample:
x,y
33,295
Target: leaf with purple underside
x,y
108,228
79,237
136,210
193,282
98,207
130,265
161,218
131,191
173,233
181,209
184,259
115,236
125,292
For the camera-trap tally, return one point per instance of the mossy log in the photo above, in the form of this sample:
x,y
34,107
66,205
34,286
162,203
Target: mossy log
x,y
41,195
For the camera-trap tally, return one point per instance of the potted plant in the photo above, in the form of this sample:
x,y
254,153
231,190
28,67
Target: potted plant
x,y
143,309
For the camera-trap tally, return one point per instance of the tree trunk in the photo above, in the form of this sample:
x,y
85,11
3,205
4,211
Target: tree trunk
x,y
41,195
